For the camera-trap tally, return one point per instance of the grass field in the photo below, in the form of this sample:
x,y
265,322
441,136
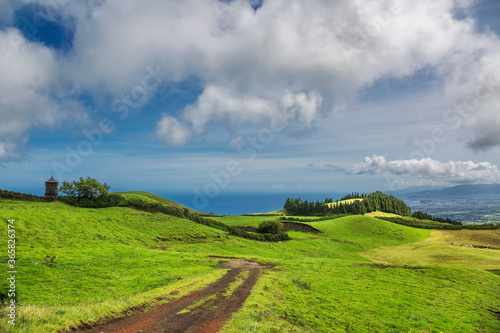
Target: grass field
x,y
149,197
343,202
108,260
381,214
243,220
437,250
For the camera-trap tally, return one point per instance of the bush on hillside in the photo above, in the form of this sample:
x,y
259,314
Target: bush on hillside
x,y
270,227
23,196
102,201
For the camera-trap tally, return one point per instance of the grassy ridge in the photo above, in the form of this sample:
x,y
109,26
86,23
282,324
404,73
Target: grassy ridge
x,y
243,220
95,250
149,197
438,250
369,232
107,260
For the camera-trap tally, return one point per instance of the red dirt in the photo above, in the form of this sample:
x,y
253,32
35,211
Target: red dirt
x,y
207,318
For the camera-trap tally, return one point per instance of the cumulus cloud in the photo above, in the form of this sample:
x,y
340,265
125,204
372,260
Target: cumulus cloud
x,y
172,132
306,54
226,105
481,112
427,168
32,93
296,56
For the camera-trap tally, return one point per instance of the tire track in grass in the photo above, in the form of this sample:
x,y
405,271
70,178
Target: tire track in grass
x,y
216,305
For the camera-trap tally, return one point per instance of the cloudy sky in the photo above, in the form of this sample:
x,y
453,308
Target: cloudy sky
x,y
275,95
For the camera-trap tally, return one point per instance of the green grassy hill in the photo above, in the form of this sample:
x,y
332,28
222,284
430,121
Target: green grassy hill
x,y
80,265
94,251
369,232
149,197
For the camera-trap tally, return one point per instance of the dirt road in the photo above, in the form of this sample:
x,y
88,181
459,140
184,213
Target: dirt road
x,y
217,305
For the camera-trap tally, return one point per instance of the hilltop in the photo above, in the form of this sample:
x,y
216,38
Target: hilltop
x,y
149,197
359,274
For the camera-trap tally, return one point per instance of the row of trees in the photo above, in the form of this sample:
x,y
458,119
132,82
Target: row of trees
x,y
376,201
424,216
354,195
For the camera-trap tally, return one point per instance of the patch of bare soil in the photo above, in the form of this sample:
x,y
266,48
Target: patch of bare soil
x,y
300,227
242,264
206,318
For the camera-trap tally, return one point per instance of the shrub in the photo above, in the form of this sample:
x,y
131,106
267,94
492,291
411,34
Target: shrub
x,y
270,227
102,201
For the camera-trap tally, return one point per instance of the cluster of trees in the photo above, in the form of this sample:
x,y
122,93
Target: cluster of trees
x,y
376,201
354,195
84,188
306,208
424,216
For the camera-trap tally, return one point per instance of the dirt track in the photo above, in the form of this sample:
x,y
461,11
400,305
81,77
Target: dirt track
x,y
206,318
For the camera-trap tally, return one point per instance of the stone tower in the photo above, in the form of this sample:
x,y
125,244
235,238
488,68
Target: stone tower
x,y
51,187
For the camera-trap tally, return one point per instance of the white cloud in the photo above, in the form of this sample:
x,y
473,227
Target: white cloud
x,y
172,132
235,108
32,92
427,168
296,56
310,55
481,111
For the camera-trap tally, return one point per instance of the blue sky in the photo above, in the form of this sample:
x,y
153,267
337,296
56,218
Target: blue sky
x,y
276,95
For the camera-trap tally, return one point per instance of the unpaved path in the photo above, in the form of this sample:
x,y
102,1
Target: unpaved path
x,y
206,318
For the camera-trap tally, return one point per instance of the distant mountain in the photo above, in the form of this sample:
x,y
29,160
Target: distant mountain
x,y
411,190
458,192
466,203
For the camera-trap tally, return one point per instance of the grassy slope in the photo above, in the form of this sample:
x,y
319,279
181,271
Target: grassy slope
x,y
320,283
369,232
381,214
249,220
437,250
343,202
246,220
95,251
152,198
339,294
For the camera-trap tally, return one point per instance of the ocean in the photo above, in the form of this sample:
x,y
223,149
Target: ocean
x,y
237,203
227,202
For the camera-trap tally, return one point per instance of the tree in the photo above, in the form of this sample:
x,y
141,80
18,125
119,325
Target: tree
x,y
84,188
270,227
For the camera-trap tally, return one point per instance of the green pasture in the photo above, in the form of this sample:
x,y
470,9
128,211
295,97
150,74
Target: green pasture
x,y
106,261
